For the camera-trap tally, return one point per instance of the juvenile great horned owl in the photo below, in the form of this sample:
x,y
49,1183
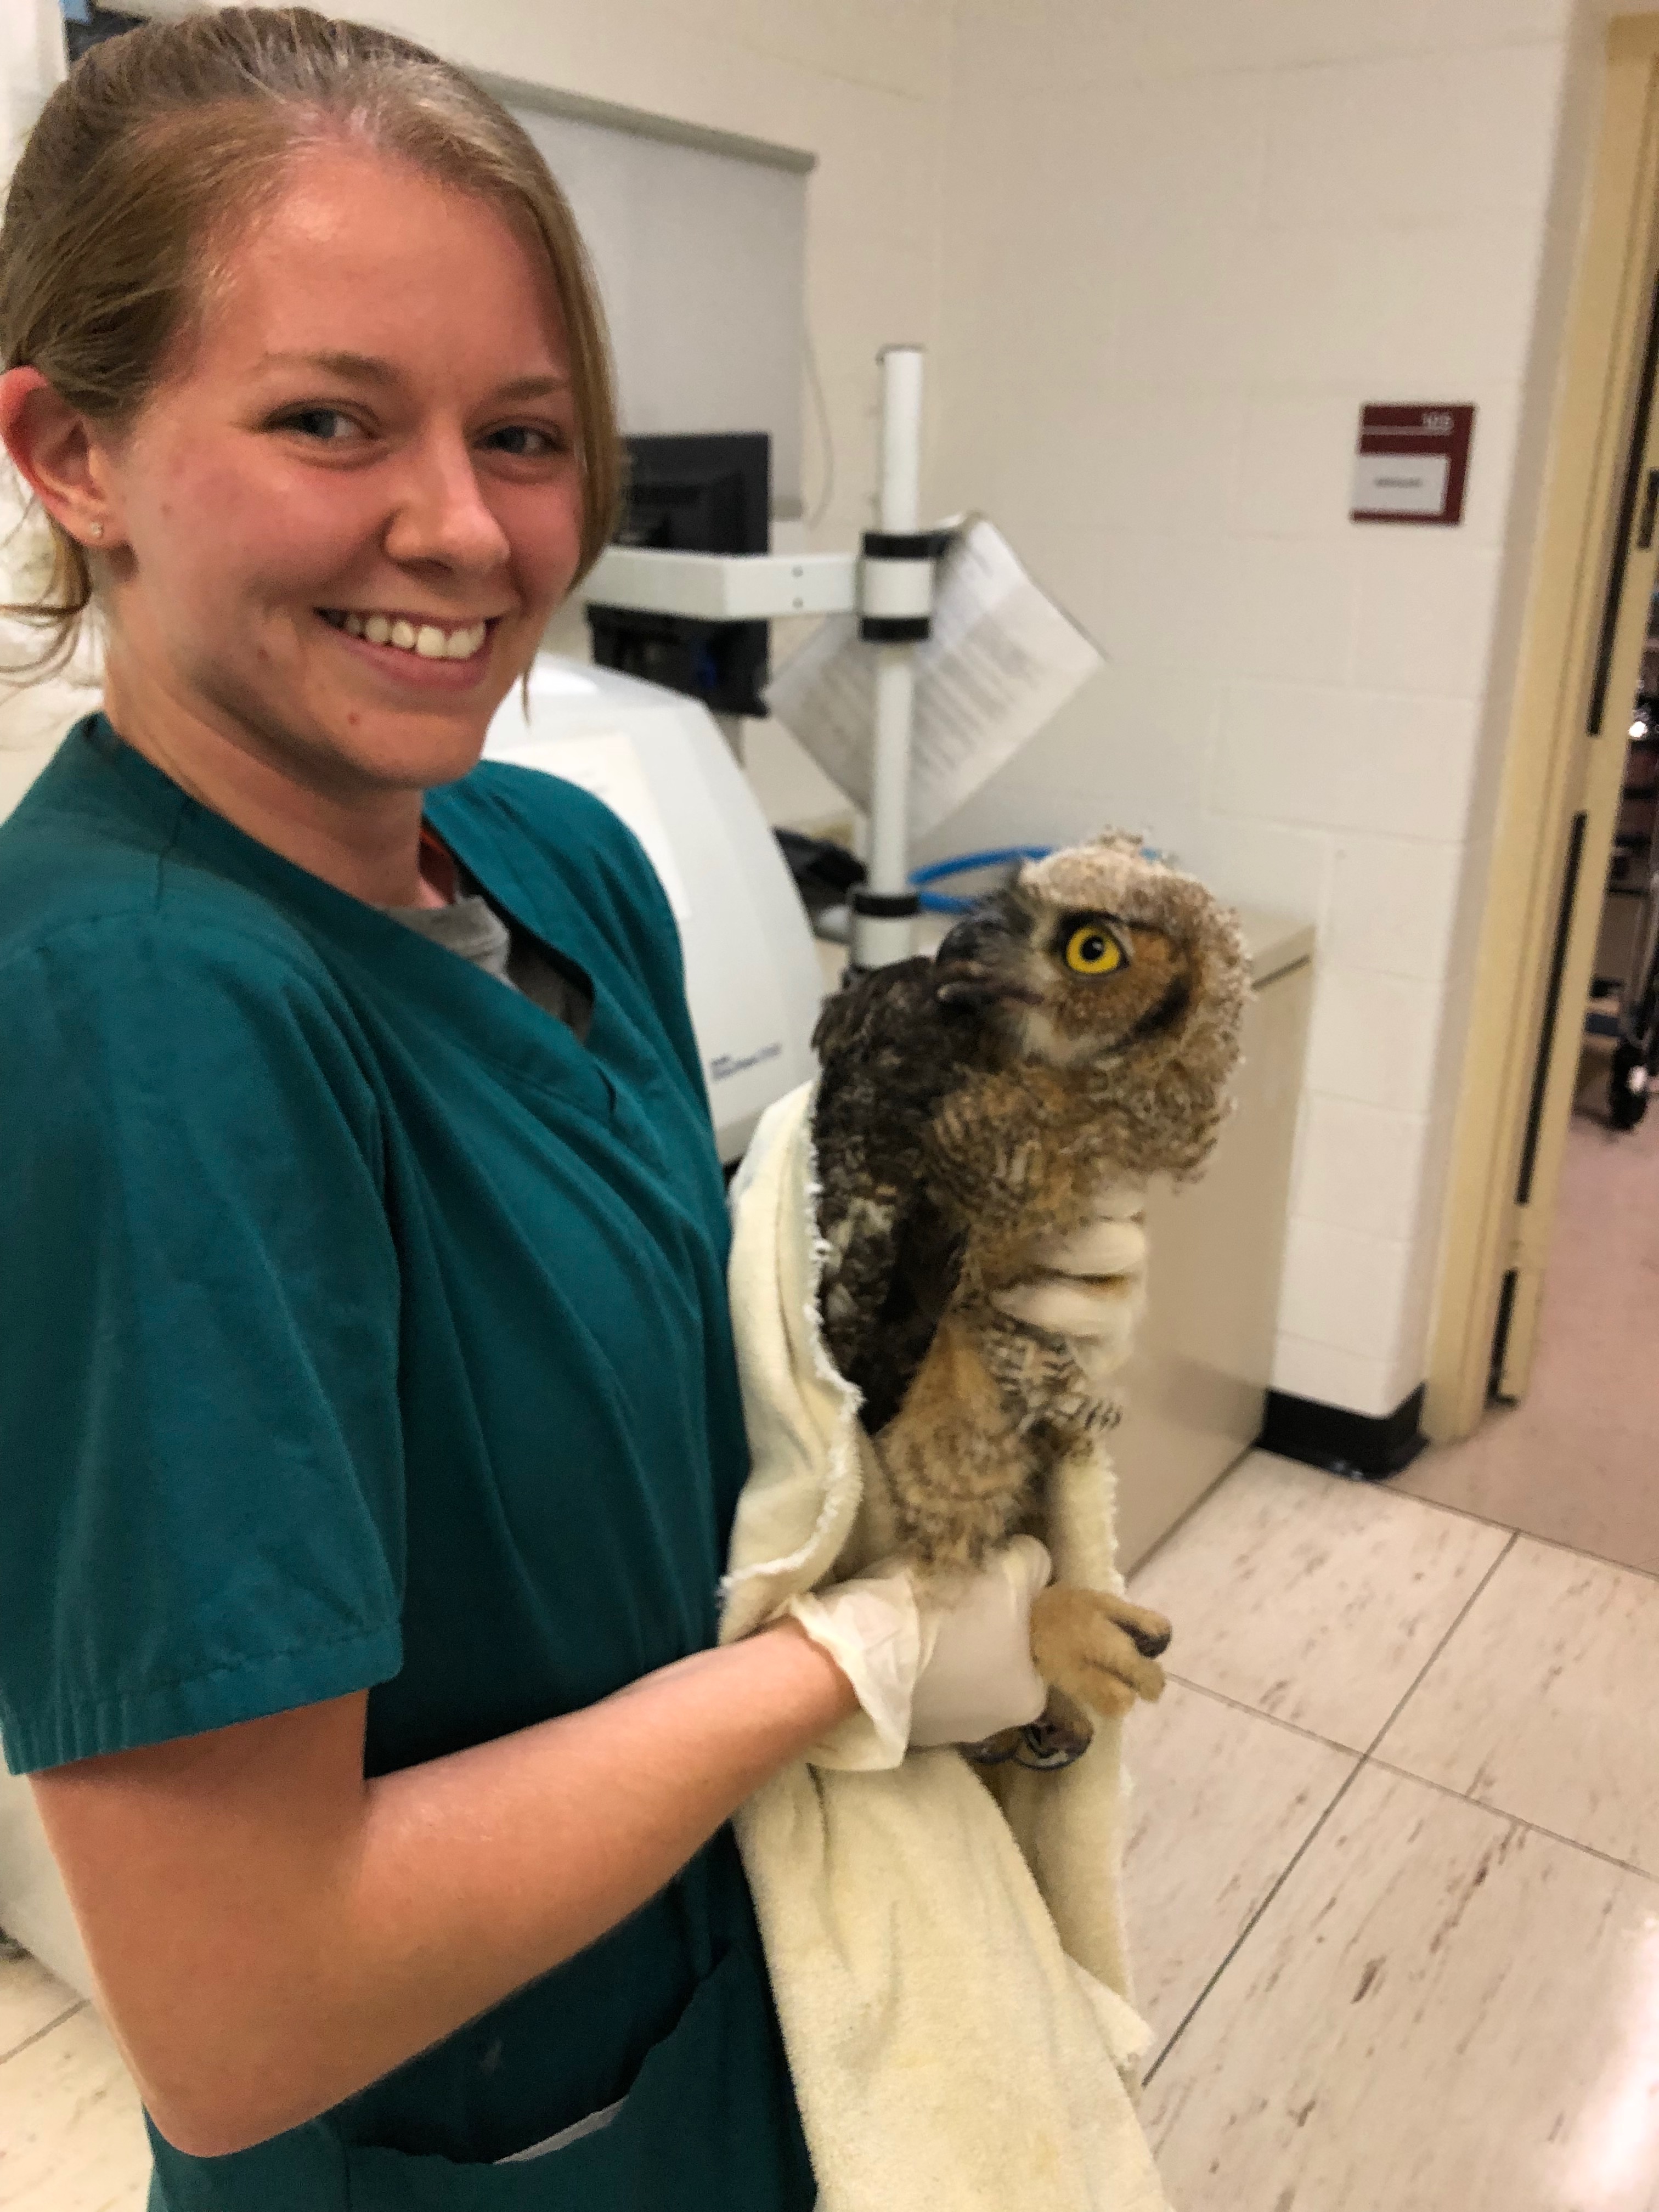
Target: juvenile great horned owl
x,y
1078,1030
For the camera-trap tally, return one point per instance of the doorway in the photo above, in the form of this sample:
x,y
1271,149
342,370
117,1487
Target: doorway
x,y
1571,1457
1581,660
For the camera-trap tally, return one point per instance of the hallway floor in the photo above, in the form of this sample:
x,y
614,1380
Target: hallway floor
x,y
1576,1463
1394,1864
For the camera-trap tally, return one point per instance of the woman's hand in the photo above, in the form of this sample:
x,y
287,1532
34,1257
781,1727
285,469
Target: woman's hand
x,y
1090,1286
931,1664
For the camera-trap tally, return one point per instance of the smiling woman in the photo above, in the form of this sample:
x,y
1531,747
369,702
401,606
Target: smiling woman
x,y
371,1425
372,1432
396,412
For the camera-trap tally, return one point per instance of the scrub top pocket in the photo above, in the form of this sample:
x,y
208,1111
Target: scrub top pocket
x,y
688,2138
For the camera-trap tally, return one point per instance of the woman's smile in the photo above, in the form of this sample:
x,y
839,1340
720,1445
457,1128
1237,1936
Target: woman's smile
x,y
428,635
422,653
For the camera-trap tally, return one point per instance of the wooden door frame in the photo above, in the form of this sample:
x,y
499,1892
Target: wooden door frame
x,y
1601,366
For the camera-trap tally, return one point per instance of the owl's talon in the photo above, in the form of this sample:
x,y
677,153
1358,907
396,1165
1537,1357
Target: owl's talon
x,y
1094,1646
1047,1745
1147,1630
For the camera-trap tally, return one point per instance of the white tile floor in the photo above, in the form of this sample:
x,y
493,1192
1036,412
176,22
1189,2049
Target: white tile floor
x,y
1392,1876
1392,1870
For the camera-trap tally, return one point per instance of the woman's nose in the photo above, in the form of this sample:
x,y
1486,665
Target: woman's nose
x,y
441,516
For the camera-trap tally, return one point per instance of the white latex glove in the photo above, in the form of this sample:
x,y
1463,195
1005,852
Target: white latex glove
x,y
929,1668
1092,1286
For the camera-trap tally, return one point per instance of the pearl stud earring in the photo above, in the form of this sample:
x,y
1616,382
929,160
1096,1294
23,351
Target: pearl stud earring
x,y
95,530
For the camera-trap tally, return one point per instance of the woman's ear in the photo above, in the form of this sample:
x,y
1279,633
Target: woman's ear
x,y
55,451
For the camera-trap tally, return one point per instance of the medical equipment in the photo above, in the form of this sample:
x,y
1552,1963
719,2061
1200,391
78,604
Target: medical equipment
x,y
752,977
711,494
889,585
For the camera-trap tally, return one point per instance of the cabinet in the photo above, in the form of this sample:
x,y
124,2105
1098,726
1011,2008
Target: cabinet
x,y
1198,1381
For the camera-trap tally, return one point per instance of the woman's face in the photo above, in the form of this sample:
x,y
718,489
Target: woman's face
x,y
340,524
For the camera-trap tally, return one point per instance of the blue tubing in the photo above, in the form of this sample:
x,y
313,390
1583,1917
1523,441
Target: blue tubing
x,y
966,864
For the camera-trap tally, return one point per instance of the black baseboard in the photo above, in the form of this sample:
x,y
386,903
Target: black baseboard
x,y
1366,1448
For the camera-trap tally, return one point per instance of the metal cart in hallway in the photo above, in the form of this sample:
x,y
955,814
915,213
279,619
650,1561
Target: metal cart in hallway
x,y
1628,961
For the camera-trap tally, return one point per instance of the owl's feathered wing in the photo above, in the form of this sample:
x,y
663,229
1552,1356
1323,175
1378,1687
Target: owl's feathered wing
x,y
890,1055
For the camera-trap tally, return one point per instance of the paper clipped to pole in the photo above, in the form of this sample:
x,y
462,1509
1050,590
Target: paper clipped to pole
x,y
1001,661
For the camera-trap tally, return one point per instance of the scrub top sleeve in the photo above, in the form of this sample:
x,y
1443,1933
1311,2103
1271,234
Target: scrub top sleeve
x,y
201,1459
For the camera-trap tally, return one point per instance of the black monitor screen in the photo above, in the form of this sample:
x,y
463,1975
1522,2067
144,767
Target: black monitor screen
x,y
696,494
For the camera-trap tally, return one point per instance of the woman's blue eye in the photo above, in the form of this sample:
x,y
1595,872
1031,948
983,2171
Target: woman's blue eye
x,y
524,442
327,424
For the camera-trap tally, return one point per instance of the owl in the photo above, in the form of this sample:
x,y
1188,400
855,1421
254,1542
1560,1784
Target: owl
x,y
1078,1029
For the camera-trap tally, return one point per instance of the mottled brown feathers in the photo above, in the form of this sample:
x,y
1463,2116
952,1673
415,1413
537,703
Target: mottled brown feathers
x,y
1078,1030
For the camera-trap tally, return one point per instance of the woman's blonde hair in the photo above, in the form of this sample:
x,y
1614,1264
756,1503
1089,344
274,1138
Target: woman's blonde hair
x,y
163,143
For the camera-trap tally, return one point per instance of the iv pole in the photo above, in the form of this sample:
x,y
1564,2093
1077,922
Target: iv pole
x,y
889,585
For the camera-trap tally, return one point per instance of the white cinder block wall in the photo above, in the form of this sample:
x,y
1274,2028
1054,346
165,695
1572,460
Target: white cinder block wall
x,y
1161,250
1183,242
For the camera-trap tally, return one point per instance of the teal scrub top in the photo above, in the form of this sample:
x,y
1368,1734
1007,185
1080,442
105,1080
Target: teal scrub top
x,y
361,1328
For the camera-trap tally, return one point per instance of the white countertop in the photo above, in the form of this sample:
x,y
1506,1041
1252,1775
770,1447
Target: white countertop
x,y
1276,943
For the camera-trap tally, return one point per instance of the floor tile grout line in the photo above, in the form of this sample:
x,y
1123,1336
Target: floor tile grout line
x,y
1381,1486
1384,1487
28,2042
1353,1750
1362,1760
1502,1813
1552,1543
1378,1488
1258,1712
1284,1875
1417,1679
1594,1558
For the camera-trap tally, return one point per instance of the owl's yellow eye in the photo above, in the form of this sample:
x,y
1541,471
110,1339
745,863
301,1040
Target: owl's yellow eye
x,y
1091,950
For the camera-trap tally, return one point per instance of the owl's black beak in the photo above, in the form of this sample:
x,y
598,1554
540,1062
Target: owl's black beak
x,y
977,937
976,963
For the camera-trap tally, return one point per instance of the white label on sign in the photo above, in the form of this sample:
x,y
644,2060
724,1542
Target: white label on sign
x,y
1401,484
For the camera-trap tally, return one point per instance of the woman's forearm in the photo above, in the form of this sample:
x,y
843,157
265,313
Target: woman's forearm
x,y
539,1842
314,1931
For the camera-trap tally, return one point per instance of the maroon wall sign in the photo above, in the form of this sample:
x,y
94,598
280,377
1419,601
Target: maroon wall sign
x,y
1412,464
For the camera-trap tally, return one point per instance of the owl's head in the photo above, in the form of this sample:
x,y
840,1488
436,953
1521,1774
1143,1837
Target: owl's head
x,y
1099,957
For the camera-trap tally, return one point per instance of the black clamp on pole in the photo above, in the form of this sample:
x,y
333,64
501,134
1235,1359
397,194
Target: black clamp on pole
x,y
896,594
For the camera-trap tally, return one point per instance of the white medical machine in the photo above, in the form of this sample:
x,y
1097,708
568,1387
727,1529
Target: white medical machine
x,y
658,759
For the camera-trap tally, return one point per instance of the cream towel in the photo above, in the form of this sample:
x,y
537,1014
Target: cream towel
x,y
950,1977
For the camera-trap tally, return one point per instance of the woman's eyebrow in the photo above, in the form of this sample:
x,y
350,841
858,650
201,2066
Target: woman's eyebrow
x,y
354,367
367,368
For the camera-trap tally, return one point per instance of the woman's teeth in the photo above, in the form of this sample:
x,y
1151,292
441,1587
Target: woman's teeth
x,y
429,639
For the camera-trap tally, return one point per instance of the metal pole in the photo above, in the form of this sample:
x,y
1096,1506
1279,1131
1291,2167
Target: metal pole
x,y
881,938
